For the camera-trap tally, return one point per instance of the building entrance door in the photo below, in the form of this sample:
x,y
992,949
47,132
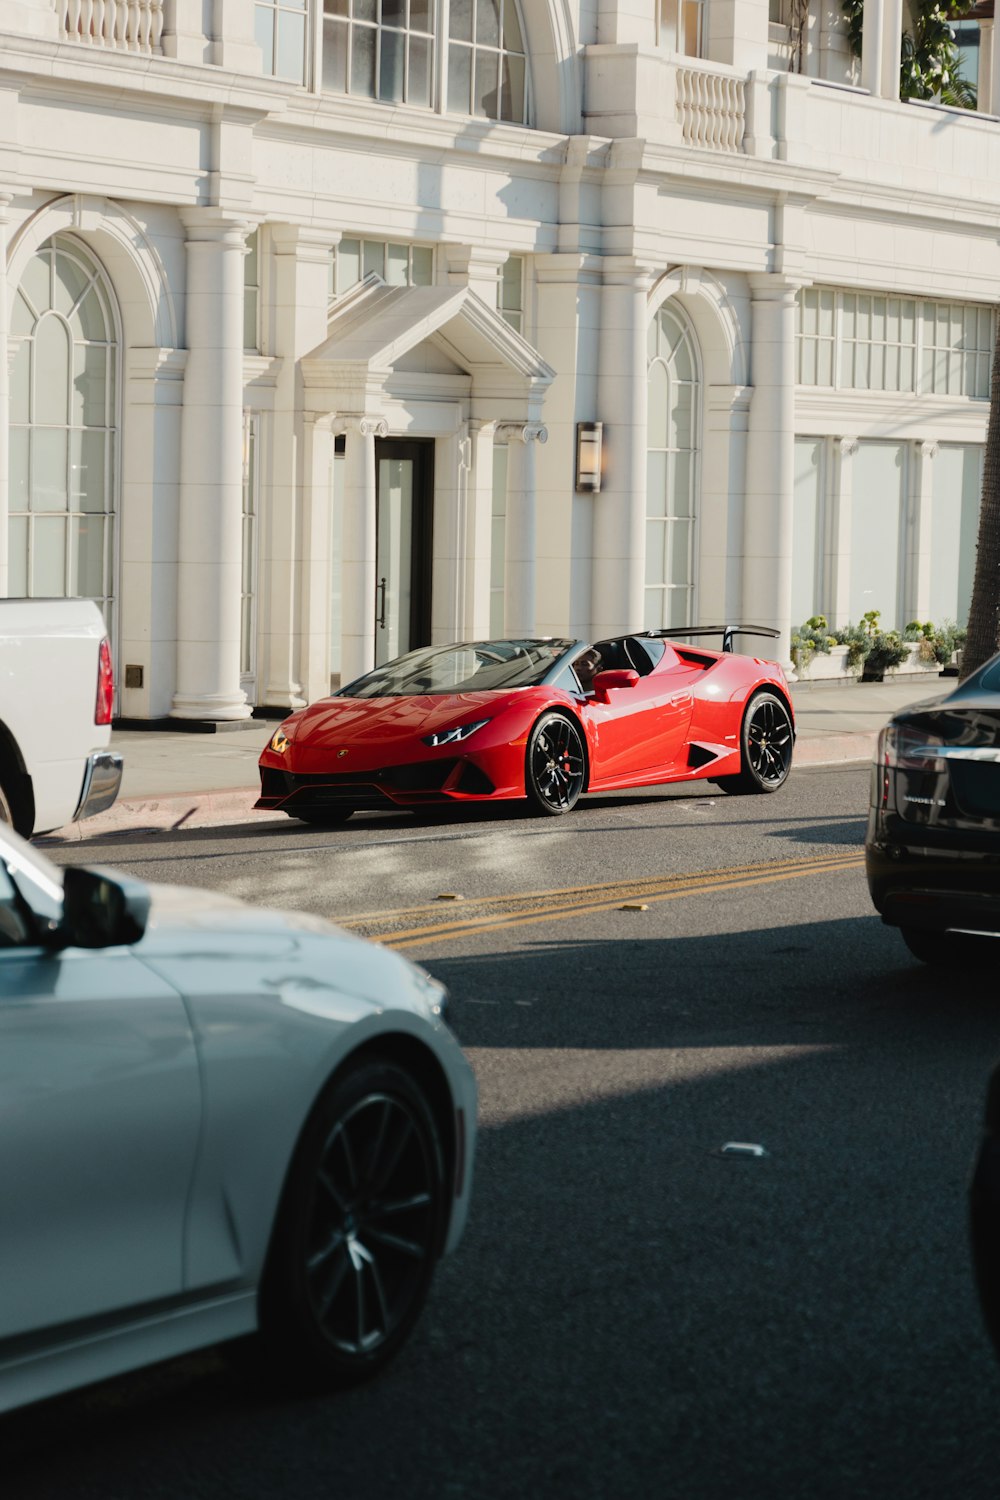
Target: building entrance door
x,y
403,518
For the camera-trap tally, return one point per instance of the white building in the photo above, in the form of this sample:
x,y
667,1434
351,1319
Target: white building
x,y
299,317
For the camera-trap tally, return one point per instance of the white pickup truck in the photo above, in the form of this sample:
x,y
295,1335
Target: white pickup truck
x,y
56,697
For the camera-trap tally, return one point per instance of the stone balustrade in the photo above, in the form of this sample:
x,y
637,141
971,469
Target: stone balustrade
x,y
124,25
711,108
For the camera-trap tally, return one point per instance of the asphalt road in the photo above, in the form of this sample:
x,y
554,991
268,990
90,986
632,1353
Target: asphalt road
x,y
631,1313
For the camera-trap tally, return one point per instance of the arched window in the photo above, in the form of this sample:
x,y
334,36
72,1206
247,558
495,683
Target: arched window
x,y
391,50
672,471
63,429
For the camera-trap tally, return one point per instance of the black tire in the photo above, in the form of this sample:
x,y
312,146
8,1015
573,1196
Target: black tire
x,y
766,743
6,811
962,950
358,1232
330,817
555,765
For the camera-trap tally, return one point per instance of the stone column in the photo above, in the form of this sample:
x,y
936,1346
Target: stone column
x,y
620,508
838,532
916,600
477,268
520,606
5,201
211,489
881,44
767,525
358,550
479,532
234,45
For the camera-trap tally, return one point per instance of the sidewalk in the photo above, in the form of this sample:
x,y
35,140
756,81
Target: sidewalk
x,y
189,780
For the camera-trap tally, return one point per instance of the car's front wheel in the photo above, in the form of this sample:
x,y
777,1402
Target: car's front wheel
x,y
359,1229
555,765
766,743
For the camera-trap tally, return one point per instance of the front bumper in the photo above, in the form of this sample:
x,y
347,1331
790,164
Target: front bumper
x,y
102,778
451,779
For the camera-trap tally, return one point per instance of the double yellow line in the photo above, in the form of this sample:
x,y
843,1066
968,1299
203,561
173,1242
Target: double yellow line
x,y
403,928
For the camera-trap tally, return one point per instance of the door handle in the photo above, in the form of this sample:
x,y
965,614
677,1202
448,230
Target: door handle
x,y
380,621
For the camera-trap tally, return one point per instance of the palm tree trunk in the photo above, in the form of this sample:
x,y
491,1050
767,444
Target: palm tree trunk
x,y
984,613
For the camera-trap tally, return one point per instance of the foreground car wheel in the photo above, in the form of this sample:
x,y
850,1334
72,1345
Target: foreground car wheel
x,y
554,765
766,743
358,1232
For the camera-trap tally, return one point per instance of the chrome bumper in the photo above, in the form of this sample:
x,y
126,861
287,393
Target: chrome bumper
x,y
101,780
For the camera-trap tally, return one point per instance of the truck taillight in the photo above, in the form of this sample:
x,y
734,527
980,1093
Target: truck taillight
x,y
105,685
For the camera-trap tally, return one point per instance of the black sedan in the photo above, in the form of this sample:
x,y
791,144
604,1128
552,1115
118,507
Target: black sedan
x,y
933,846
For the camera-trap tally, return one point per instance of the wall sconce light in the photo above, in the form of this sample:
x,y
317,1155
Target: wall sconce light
x,y
588,457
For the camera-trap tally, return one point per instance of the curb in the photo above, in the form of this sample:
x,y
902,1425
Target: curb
x,y
235,805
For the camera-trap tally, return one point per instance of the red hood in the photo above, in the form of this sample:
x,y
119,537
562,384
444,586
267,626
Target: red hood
x,y
380,725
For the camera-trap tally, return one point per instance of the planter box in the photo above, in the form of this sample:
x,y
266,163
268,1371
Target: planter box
x,y
823,667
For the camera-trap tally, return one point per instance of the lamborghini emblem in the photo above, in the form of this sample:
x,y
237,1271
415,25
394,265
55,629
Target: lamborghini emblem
x,y
341,754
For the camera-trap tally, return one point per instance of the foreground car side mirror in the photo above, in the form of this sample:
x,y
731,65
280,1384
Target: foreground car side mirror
x,y
100,911
613,678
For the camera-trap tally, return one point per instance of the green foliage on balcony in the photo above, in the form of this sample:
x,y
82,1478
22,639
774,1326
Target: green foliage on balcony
x,y
930,62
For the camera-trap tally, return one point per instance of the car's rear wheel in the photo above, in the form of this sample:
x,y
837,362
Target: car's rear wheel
x,y
330,817
965,949
555,765
359,1229
766,743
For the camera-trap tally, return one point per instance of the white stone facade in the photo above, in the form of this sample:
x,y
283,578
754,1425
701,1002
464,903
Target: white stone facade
x,y
772,288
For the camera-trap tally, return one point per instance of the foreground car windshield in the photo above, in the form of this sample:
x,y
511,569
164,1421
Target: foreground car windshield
x,y
477,667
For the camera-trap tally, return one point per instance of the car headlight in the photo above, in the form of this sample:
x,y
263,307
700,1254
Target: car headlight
x,y
279,740
452,736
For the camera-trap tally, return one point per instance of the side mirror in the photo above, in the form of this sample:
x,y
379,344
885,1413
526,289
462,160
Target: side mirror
x,y
99,910
614,678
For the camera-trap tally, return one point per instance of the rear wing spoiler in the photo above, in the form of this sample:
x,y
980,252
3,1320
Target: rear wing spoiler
x,y
726,631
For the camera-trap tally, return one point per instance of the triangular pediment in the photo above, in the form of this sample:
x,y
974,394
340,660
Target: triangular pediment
x,y
377,329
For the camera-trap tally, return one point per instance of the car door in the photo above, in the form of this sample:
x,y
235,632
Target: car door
x,y
99,1120
642,731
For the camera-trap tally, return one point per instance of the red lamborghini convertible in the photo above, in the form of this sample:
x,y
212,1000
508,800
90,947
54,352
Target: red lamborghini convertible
x,y
545,720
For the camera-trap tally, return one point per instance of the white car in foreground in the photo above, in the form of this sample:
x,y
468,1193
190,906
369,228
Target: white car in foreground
x,y
213,1119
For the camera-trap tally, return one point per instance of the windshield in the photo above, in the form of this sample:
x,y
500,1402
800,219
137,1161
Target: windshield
x,y
480,666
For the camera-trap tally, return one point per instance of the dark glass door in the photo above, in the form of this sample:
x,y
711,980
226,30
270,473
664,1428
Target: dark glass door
x,y
403,510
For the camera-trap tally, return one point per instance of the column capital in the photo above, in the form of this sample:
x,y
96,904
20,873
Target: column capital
x,y
626,270
773,286
520,432
303,241
361,423
847,446
928,450
208,225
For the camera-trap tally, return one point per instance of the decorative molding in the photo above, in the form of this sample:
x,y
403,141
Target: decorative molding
x,y
848,446
520,432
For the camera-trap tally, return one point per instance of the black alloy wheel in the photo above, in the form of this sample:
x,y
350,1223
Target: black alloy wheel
x,y
766,744
359,1230
327,817
555,765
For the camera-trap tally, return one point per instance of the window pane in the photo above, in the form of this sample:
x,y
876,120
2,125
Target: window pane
x,y
459,79
396,265
18,468
824,371
292,47
48,562
678,608
51,371
680,547
460,20
348,264
250,318
423,265
36,281
22,319
679,430
656,541
86,472
363,61
488,23
87,562
681,494
487,98
17,562
512,95
658,391
394,13
374,257
420,16
656,484
70,280
263,30
48,469
20,383
418,83
364,10
335,57
391,59
511,279
336,8
512,39
88,408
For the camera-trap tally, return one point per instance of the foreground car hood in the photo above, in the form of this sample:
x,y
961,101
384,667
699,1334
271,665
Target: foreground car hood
x,y
177,907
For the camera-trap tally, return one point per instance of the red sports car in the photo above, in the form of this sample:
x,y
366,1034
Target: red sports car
x,y
545,720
